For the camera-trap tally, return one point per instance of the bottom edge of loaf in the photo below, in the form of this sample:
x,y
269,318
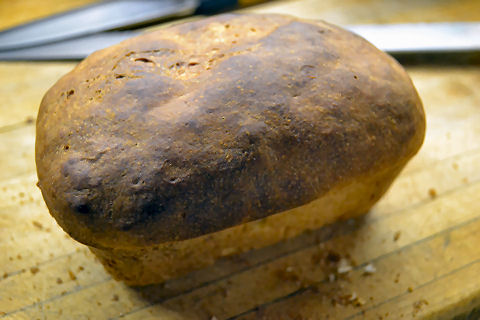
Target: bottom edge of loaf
x,y
159,263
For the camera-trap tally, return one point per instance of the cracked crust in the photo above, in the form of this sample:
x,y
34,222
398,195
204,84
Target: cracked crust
x,y
206,125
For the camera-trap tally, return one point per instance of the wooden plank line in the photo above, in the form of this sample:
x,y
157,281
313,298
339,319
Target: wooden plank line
x,y
362,265
465,266
77,289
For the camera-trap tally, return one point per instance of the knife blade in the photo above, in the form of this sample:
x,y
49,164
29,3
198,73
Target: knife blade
x,y
91,19
395,39
422,37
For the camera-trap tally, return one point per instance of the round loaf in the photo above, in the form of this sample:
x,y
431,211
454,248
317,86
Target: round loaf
x,y
203,126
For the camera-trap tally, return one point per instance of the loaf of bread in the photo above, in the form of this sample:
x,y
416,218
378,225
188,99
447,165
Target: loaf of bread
x,y
206,139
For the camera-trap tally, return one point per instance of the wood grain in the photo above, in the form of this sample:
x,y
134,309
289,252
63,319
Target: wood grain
x,y
421,238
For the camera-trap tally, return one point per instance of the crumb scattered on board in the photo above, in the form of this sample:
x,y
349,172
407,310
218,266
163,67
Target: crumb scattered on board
x,y
348,299
397,278
337,269
34,270
331,277
418,305
432,193
369,269
344,266
72,275
115,297
29,120
37,224
397,235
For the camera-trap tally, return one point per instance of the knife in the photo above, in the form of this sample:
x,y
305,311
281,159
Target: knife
x,y
106,16
396,39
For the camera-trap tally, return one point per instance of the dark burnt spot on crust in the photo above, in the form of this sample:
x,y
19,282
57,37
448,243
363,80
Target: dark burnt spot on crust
x,y
82,208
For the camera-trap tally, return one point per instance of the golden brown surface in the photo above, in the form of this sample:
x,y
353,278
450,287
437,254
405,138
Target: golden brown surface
x,y
439,236
206,125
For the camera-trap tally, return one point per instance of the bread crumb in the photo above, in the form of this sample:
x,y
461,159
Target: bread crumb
x,y
34,270
347,299
343,266
287,274
72,275
5,275
397,235
80,268
331,277
333,257
29,120
99,303
397,278
418,305
115,297
59,280
410,289
358,302
369,269
353,296
432,193
37,224
19,257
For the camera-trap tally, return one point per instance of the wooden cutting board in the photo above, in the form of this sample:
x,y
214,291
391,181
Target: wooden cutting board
x,y
415,255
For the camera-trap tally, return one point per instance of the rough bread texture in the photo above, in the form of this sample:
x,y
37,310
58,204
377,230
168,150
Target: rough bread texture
x,y
218,136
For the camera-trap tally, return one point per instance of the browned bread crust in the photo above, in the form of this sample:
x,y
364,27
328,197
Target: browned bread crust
x,y
202,126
